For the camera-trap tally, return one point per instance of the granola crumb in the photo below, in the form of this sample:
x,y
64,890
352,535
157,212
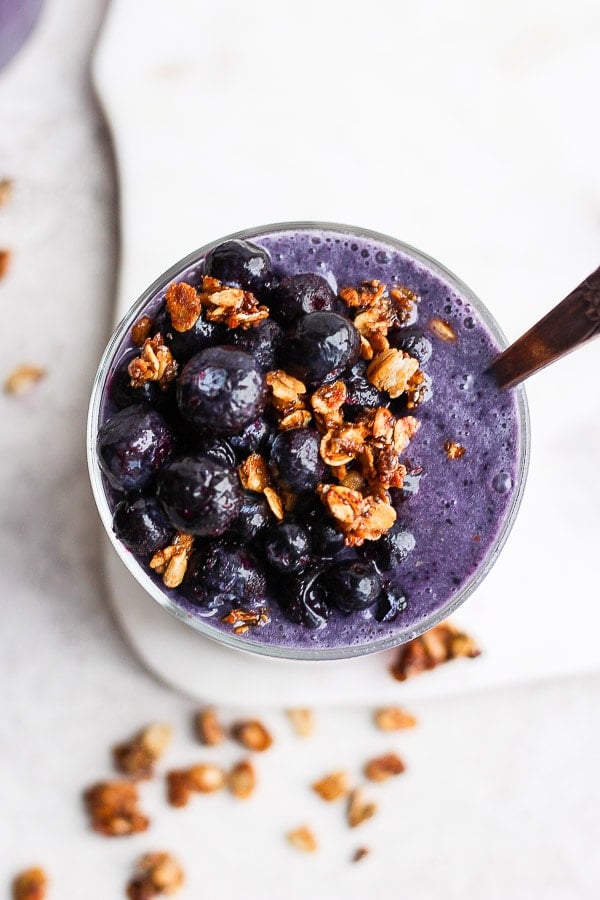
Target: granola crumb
x,y
302,839
5,261
439,645
140,330
23,379
242,780
31,884
332,786
442,329
113,809
243,620
254,474
233,306
155,363
391,371
204,778
155,874
360,853
392,718
208,728
6,191
287,397
138,756
171,562
252,735
302,720
380,768
359,809
454,450
275,503
183,305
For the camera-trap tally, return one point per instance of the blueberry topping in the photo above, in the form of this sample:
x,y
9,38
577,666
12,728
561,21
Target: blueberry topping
x,y
261,342
218,449
360,392
185,344
321,346
142,525
393,547
199,495
298,295
391,602
123,394
240,264
253,439
295,460
287,548
353,585
326,539
221,389
304,600
223,573
132,446
253,518
413,342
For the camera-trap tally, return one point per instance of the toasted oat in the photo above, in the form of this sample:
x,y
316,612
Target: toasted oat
x,y
32,884
287,397
242,780
360,853
113,809
299,418
440,644
302,720
359,809
183,305
254,474
204,778
138,756
333,786
208,728
6,190
22,379
359,518
443,330
327,402
234,307
155,363
140,330
403,301
302,839
5,261
171,562
454,450
391,371
245,619
275,502
155,874
342,444
369,293
392,718
366,351
252,735
380,768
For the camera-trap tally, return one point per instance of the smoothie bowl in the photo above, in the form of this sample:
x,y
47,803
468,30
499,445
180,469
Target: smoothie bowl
x,y
295,445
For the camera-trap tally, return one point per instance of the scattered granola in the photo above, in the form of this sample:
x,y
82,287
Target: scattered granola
x,y
327,402
155,363
171,562
442,329
332,786
232,306
359,518
255,476
5,261
391,371
245,619
454,450
378,310
155,874
31,884
360,853
113,809
287,397
275,503
302,839
22,379
383,767
183,305
359,809
438,645
138,756
303,721
392,718
140,330
204,778
6,191
252,735
242,780
208,728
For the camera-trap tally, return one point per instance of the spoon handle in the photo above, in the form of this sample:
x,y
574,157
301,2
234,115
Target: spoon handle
x,y
572,323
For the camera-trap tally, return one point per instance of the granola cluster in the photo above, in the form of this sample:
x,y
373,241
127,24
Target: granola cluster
x,y
32,884
137,757
113,809
155,874
255,476
232,306
171,562
439,645
155,363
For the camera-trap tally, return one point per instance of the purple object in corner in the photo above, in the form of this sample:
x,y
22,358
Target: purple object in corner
x,y
17,19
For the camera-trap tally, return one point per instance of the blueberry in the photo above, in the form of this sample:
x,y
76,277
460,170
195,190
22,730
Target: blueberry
x,y
320,347
295,460
393,547
353,585
287,547
123,394
185,344
142,525
326,539
253,518
240,264
410,487
253,439
261,342
132,446
360,392
391,602
413,342
223,573
298,295
304,601
199,495
218,449
221,389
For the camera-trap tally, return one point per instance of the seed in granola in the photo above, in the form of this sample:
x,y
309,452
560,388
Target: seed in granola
x,y
440,644
183,305
32,884
5,261
359,809
155,874
454,450
332,787
392,718
204,778
172,561
22,379
242,780
252,735
6,190
113,809
443,330
140,331
302,720
302,839
138,756
380,768
360,853
208,728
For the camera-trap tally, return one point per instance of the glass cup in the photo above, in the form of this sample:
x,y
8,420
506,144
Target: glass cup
x,y
186,269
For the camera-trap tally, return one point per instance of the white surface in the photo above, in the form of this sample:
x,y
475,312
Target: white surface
x,y
502,796
242,133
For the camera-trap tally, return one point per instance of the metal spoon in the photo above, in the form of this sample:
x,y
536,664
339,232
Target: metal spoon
x,y
572,323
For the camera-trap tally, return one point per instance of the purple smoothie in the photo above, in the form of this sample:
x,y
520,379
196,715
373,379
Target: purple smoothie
x,y
460,515
17,19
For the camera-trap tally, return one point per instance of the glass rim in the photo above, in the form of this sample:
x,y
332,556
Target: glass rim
x,y
203,625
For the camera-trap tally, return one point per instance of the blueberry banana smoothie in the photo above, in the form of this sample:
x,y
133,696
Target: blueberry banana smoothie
x,y
301,450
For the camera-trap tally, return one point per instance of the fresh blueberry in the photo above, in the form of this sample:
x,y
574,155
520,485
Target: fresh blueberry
x,y
353,585
253,518
393,547
295,460
326,539
253,439
185,344
298,295
287,548
320,347
391,602
240,264
132,446
142,525
360,392
305,601
218,449
413,342
123,394
261,342
199,495
223,573
221,389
